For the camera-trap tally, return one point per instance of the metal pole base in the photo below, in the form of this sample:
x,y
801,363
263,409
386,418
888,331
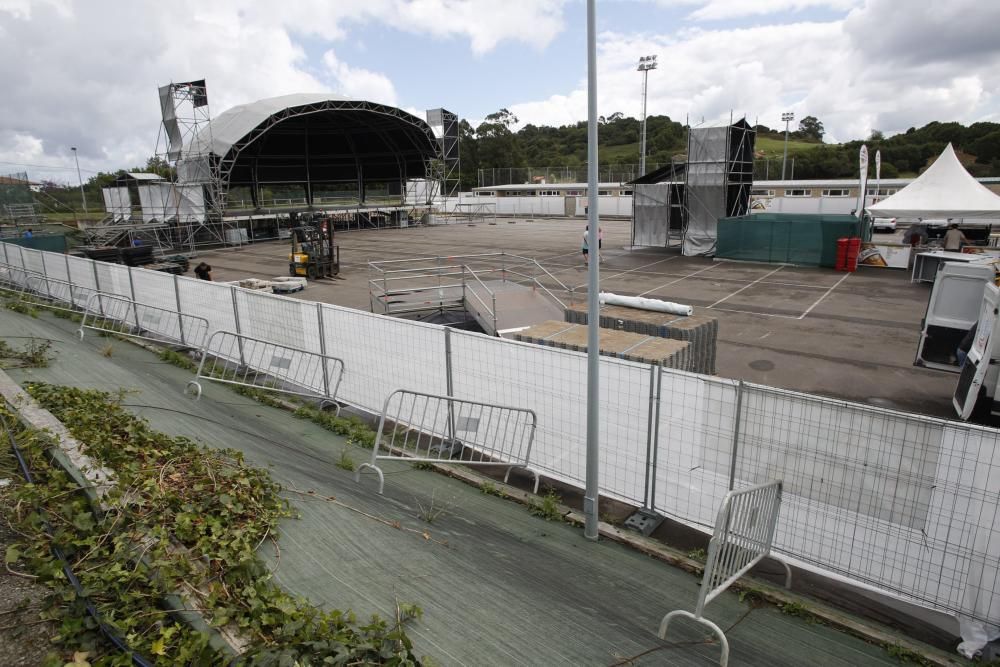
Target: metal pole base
x,y
644,521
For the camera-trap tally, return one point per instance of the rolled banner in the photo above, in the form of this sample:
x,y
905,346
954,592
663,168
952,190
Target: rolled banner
x,y
645,304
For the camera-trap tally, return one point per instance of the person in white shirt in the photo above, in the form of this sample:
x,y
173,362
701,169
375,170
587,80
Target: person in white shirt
x,y
954,239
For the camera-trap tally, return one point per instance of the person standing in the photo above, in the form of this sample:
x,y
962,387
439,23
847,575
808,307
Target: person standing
x,y
586,249
28,234
954,239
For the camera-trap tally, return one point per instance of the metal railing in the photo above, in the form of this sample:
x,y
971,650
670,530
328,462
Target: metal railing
x,y
744,533
882,498
427,428
58,294
232,358
405,286
125,317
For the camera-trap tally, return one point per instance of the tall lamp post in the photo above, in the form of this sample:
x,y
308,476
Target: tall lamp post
x,y
787,117
646,63
83,196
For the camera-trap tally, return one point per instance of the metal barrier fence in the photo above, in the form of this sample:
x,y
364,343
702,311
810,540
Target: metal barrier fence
x,y
427,428
125,317
231,358
899,503
744,531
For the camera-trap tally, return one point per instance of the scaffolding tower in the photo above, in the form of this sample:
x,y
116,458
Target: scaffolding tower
x,y
447,167
718,180
195,202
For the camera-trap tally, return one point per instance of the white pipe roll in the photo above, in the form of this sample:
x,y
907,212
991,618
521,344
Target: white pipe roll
x,y
646,304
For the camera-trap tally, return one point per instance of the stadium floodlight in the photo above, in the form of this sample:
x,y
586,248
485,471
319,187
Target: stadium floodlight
x,y
646,63
788,116
79,178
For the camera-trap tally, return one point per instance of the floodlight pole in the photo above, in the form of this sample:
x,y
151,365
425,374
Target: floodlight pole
x,y
787,116
592,491
79,178
646,63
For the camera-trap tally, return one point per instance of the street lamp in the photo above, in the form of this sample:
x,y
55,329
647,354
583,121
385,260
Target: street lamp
x,y
787,117
79,178
646,63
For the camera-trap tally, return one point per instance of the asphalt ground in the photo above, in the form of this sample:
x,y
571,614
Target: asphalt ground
x,y
850,336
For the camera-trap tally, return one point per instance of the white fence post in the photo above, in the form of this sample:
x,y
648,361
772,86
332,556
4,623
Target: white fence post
x,y
737,421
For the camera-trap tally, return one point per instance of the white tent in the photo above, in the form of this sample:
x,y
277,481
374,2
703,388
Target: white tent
x,y
945,190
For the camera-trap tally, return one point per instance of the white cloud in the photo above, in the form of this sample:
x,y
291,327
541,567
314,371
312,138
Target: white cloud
x,y
85,73
878,68
359,83
716,10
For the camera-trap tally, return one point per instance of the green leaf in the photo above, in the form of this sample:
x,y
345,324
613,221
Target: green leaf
x,y
13,554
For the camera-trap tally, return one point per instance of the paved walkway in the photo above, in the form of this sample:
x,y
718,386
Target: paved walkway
x,y
497,585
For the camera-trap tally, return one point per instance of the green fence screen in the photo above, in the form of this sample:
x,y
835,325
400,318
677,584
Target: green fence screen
x,y
787,238
51,243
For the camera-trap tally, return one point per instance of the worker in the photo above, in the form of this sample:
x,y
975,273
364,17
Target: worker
x,y
203,271
28,234
916,235
954,239
586,241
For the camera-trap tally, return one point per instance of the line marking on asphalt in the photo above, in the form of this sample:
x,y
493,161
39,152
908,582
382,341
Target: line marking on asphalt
x,y
747,286
825,294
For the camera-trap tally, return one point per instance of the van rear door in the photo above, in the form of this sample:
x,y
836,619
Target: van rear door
x,y
952,309
980,355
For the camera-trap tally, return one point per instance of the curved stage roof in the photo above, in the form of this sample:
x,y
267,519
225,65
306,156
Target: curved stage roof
x,y
317,141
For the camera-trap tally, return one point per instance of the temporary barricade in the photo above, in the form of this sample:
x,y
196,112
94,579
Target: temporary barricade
x,y
59,294
125,317
232,358
429,428
744,532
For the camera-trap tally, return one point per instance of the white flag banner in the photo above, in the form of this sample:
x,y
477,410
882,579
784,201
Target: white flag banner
x,y
863,184
878,175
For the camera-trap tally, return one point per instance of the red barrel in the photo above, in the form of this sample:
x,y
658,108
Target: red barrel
x,y
842,244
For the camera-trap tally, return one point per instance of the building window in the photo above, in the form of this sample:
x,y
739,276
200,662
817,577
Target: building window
x,y
762,193
843,192
798,192
485,194
604,193
626,193
574,193
882,192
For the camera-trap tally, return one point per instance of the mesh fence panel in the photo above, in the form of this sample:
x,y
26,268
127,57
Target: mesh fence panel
x,y
32,260
287,321
553,383
382,354
154,288
210,300
904,503
55,266
113,279
697,418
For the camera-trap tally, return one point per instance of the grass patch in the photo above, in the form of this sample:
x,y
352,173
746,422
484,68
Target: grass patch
x,y
173,492
108,350
547,506
345,462
490,489
908,656
36,353
355,430
698,555
177,359
19,306
432,511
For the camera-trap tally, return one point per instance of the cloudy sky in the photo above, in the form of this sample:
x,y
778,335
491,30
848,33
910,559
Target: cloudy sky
x,y
84,73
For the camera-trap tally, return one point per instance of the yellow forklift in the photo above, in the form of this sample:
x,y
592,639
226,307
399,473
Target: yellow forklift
x,y
314,254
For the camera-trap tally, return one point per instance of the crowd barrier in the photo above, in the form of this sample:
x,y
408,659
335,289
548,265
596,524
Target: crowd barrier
x,y
899,503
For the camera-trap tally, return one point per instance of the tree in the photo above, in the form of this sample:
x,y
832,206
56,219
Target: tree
x,y
876,135
811,127
498,145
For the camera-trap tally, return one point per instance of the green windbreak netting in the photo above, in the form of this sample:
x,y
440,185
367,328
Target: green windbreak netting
x,y
805,239
52,243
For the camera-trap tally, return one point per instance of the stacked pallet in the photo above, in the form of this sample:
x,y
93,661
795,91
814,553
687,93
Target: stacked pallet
x,y
700,331
620,344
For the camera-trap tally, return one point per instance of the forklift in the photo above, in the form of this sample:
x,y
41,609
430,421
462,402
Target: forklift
x,y
314,254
